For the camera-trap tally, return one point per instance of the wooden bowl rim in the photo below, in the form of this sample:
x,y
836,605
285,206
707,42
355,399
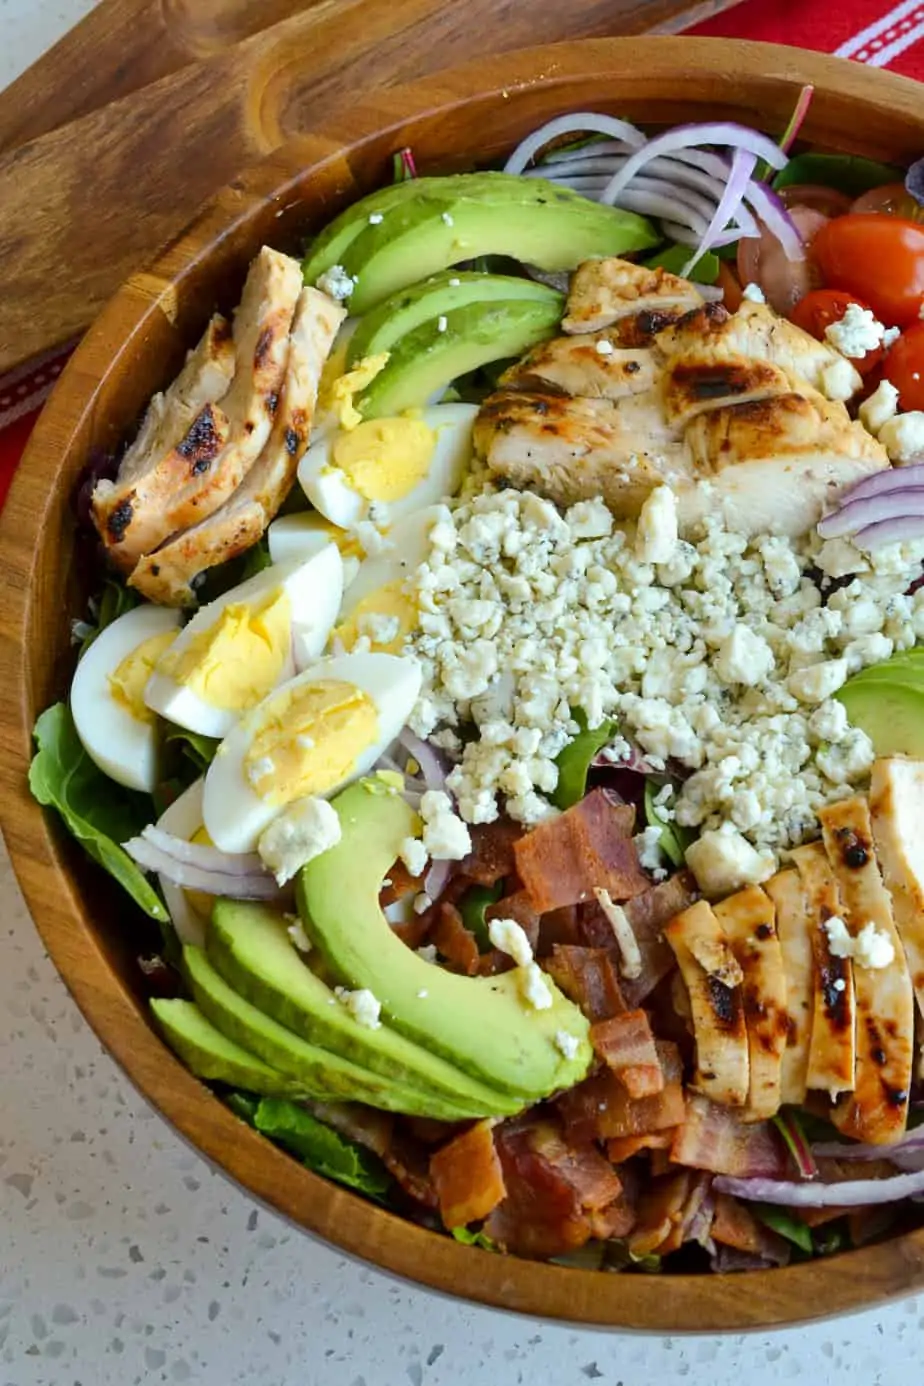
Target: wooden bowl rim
x,y
681,1303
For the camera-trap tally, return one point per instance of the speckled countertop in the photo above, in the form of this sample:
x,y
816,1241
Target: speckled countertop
x,y
125,1259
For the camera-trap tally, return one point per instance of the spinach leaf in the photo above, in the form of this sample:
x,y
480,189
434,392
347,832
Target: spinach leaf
x,y
575,759
195,750
619,1257
468,1238
113,602
831,1238
848,173
472,908
242,1104
674,257
674,839
322,1148
784,1223
98,812
219,580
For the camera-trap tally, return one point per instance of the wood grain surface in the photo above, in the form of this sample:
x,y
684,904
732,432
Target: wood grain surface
x,y
133,349
84,204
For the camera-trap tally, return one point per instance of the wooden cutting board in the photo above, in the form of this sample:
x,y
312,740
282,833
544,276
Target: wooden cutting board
x,y
82,205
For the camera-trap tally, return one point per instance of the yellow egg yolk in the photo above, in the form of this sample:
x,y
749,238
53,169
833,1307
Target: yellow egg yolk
x,y
345,539
309,740
241,656
384,459
127,683
337,392
386,617
199,902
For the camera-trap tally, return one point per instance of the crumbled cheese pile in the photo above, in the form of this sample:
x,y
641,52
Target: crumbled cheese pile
x,y
722,656
871,948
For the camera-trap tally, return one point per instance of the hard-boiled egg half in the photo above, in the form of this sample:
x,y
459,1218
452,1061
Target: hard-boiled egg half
x,y
306,533
309,737
380,606
396,464
115,726
189,909
239,647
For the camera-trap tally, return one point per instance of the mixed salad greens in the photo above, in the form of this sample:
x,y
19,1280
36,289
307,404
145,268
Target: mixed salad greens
x,y
503,692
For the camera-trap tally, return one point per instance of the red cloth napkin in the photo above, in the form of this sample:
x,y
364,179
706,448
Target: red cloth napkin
x,y
865,31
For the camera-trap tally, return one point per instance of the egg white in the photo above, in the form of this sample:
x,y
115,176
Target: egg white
x,y
234,815
123,747
301,536
406,547
328,488
183,819
314,587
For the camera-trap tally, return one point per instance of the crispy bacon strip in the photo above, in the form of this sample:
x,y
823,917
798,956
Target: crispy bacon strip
x,y
792,926
600,1108
621,1148
519,908
467,1176
749,922
626,1045
587,978
491,858
709,970
714,1138
832,1052
454,941
562,861
648,914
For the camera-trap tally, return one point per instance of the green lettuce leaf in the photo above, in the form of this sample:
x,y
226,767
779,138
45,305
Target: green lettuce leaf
x,y
674,257
195,750
674,839
575,759
322,1148
472,908
113,602
96,811
848,173
242,1104
786,1224
469,1238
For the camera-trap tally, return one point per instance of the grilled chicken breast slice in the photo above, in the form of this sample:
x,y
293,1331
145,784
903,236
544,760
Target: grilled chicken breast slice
x,y
896,801
577,449
693,384
204,379
210,462
832,1051
603,291
776,464
792,927
877,1110
588,365
166,575
748,920
713,980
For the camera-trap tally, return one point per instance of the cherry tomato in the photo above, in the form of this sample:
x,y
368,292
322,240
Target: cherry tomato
x,y
817,197
892,200
822,307
904,366
877,258
762,260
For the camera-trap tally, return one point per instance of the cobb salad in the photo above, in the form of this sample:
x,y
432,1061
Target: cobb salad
x,y
503,691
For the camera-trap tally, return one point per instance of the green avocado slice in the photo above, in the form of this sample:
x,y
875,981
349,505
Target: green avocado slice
x,y
428,358
380,329
322,1074
889,711
249,947
482,1024
905,667
209,1054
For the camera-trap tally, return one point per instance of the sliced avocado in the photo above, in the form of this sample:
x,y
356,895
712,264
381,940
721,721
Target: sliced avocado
x,y
321,1073
419,237
905,667
209,1054
249,947
427,359
483,1024
330,247
891,713
379,330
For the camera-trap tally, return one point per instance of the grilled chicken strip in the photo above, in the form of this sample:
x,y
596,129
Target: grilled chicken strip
x,y
603,291
896,802
588,365
877,1110
713,980
170,416
166,575
577,449
695,384
748,920
832,1052
793,928
201,472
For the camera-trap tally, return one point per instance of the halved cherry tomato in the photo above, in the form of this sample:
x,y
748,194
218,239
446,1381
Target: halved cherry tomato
x,y
816,197
904,366
891,199
822,307
763,261
877,258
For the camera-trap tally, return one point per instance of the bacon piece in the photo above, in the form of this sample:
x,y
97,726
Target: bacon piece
x,y
454,941
832,1052
734,1225
661,1214
600,1108
626,1045
398,883
467,1176
712,976
792,926
558,926
877,1109
519,908
562,861
587,978
714,1138
491,858
621,1148
748,920
648,914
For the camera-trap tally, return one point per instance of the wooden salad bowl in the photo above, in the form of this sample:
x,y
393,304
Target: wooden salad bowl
x,y
468,115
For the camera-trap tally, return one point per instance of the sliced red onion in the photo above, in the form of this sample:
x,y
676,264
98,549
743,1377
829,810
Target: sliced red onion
x,y
869,510
437,878
743,165
597,149
775,217
255,886
198,854
578,123
432,765
889,479
727,1259
797,119
724,133
853,1193
853,1150
895,531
